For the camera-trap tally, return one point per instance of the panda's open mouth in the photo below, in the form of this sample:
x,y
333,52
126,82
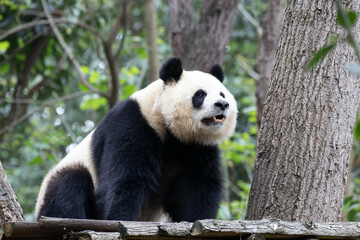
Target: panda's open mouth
x,y
218,119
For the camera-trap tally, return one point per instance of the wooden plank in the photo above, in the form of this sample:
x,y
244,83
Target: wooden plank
x,y
181,229
76,225
276,229
136,229
92,235
23,230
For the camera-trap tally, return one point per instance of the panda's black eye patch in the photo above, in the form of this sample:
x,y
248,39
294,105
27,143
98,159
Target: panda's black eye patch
x,y
222,94
200,94
198,98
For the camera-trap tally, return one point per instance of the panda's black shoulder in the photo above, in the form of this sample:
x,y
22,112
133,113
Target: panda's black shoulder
x,y
124,123
124,116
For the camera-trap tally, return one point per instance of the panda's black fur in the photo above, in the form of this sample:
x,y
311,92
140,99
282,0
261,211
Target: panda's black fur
x,y
138,175
70,195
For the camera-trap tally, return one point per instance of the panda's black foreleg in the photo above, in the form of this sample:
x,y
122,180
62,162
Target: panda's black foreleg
x,y
127,154
195,194
122,194
122,203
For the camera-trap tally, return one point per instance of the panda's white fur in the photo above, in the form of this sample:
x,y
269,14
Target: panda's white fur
x,y
165,107
148,99
172,103
80,155
184,121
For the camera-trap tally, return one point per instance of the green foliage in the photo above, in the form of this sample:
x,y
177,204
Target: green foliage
x,y
236,209
351,18
357,131
351,205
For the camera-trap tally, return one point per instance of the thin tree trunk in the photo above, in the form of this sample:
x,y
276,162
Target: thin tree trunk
x,y
201,44
151,38
267,48
305,138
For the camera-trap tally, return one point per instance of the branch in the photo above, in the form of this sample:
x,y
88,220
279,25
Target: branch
x,y
114,88
47,22
18,49
38,86
93,23
248,69
49,103
251,19
113,91
125,16
69,53
140,81
17,121
66,125
115,29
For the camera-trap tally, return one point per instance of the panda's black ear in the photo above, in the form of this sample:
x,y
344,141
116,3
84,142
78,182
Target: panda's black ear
x,y
171,70
217,72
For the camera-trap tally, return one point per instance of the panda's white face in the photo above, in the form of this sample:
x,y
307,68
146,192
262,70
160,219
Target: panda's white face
x,y
198,108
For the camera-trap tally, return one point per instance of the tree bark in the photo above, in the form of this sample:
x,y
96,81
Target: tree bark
x,y
201,44
267,48
305,138
151,38
10,209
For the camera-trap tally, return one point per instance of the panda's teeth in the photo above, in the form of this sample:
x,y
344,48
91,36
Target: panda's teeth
x,y
214,119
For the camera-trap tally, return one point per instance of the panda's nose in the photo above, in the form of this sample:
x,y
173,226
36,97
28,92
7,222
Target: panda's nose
x,y
223,105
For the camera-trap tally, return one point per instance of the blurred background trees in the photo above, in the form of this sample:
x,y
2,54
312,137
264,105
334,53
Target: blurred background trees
x,y
63,64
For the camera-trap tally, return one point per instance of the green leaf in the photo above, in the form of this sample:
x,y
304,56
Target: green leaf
x,y
85,69
4,45
142,53
357,131
135,70
20,57
4,69
94,102
320,55
351,15
94,77
127,91
37,160
21,42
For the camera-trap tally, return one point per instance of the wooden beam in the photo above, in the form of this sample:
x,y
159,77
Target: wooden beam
x,y
276,229
51,228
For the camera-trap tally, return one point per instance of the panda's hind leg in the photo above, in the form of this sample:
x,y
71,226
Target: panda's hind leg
x,y
69,194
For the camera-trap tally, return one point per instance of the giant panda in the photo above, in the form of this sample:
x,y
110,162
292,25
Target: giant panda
x,y
153,155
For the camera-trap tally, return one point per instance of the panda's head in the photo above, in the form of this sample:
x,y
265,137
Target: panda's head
x,y
196,106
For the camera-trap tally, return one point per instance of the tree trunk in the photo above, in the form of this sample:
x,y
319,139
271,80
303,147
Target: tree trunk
x,y
10,210
201,44
18,110
305,138
151,38
267,48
